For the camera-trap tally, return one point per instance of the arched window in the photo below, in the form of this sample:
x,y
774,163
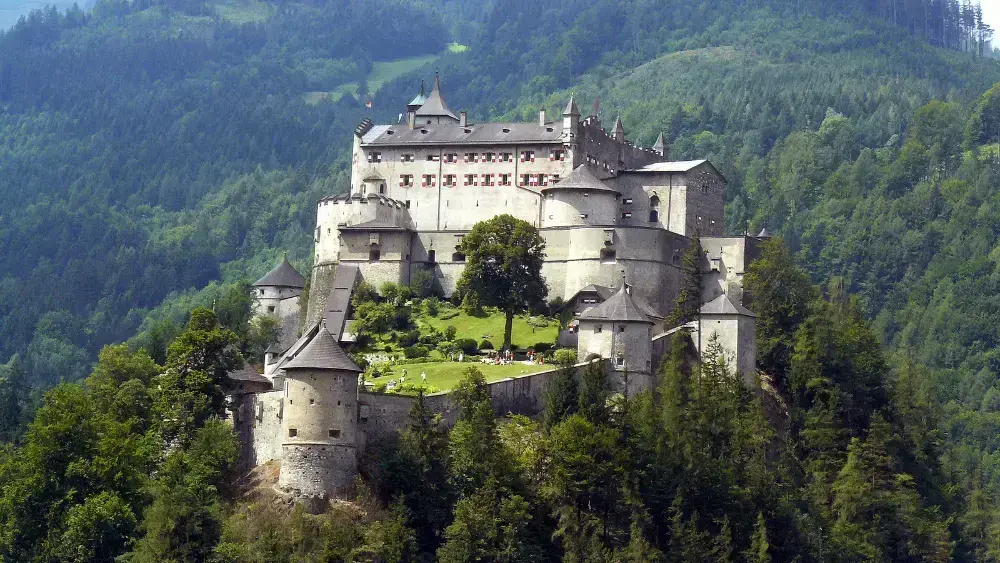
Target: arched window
x,y
381,188
654,212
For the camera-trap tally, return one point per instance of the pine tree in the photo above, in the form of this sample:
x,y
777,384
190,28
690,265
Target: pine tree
x,y
561,396
688,303
759,546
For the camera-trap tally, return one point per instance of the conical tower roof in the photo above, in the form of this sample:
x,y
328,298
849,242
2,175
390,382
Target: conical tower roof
x,y
435,106
619,128
419,99
763,233
581,178
723,305
571,108
660,145
283,275
620,307
322,352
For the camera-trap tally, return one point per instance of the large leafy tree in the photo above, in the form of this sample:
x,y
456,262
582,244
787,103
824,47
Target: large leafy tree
x,y
504,268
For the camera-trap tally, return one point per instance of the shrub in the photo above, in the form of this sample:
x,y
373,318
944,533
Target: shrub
x,y
432,305
565,357
417,351
538,322
408,338
467,345
542,347
422,283
365,292
486,345
450,332
431,338
449,314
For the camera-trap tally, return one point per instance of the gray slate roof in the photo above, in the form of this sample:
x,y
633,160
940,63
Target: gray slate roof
x,y
571,108
763,233
322,352
434,106
248,373
472,134
582,178
660,144
374,225
723,305
420,98
337,303
283,275
620,307
675,166
602,291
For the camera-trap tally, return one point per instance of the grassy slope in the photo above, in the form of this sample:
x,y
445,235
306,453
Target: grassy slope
x,y
443,376
491,328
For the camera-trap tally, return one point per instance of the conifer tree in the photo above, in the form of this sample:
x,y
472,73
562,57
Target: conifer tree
x,y
594,394
688,303
561,396
759,546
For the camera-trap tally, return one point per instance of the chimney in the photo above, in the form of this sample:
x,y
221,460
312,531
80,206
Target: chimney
x,y
463,118
541,118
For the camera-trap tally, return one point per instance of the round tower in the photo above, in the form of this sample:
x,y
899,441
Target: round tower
x,y
580,199
281,283
320,421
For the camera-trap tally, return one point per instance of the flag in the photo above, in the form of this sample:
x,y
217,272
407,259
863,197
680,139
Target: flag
x,y
368,104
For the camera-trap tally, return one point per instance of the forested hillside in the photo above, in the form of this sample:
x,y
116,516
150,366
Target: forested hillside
x,y
153,155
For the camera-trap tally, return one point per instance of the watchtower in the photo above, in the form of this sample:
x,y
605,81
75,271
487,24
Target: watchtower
x,y
320,422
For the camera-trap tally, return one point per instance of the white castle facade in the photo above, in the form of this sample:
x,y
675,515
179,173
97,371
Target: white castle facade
x,y
608,210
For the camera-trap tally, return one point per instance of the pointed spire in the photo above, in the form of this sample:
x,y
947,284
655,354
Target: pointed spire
x,y
660,145
419,99
619,129
435,105
571,108
422,88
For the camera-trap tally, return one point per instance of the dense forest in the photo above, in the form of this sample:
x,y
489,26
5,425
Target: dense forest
x,y
156,155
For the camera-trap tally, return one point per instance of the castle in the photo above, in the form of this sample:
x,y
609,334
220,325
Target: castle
x,y
609,211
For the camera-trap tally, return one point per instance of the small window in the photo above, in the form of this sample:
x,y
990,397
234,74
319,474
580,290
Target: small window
x,y
374,255
627,215
312,401
599,328
584,215
270,308
620,361
405,180
525,179
458,257
451,157
374,156
488,179
557,155
608,256
627,201
555,179
381,189
470,157
527,156
428,181
334,433
433,158
292,432
407,204
431,256
408,157
654,216
505,179
621,328
470,180
506,157
489,157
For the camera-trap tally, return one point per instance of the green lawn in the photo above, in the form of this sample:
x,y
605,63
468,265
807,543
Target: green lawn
x,y
443,376
491,328
244,11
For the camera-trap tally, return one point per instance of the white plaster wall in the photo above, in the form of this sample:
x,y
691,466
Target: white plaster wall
x,y
737,338
565,208
266,426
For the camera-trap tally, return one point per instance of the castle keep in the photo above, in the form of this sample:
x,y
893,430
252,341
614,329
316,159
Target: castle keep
x,y
609,211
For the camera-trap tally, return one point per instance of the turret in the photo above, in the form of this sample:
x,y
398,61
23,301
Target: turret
x,y
660,147
619,130
277,294
320,421
621,329
571,134
580,198
434,109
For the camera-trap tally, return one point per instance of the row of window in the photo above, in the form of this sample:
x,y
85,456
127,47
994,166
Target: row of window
x,y
555,155
451,180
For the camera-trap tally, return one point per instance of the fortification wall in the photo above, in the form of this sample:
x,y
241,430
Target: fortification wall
x,y
257,423
612,155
